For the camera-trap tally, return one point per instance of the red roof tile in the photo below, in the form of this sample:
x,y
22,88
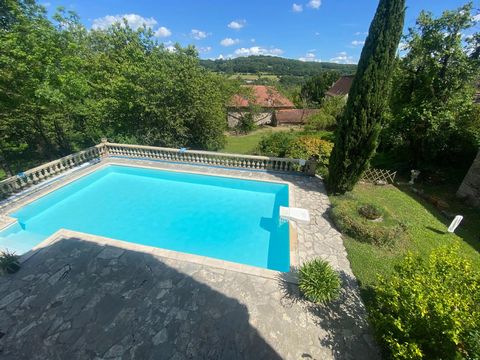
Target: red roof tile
x,y
264,96
341,87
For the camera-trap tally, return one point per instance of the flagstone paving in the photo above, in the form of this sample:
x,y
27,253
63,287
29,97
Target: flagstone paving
x,y
78,299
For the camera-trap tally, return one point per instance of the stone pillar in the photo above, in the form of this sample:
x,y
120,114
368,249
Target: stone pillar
x,y
470,188
310,167
104,142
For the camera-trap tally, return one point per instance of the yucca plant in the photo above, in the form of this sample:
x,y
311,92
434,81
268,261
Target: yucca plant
x,y
9,262
318,282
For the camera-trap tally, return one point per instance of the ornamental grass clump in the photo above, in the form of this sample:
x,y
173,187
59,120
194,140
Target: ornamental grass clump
x,y
9,262
318,282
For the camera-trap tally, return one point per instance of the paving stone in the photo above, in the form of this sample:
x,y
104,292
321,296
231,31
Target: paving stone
x,y
80,300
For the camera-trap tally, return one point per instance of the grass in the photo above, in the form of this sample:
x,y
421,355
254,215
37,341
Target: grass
x,y
2,174
247,144
426,229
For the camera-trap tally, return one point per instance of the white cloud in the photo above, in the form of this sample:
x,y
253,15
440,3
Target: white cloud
x,y
297,7
252,40
317,33
162,31
135,21
310,56
257,50
205,49
171,48
358,43
198,34
237,24
476,18
343,58
358,33
314,4
229,42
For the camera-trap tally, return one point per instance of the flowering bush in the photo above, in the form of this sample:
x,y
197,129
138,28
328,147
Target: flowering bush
x,y
430,308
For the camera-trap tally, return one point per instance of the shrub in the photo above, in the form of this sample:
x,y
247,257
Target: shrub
x,y
430,308
318,282
275,144
326,117
306,147
246,123
346,217
370,212
9,262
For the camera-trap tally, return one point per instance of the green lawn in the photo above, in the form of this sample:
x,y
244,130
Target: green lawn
x,y
426,228
247,144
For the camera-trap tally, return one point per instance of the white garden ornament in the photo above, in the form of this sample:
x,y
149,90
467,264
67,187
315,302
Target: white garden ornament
x,y
458,219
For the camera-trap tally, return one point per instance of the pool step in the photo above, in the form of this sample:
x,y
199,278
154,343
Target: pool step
x,y
16,239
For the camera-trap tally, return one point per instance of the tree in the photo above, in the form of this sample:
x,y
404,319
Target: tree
x,y
434,118
361,123
62,88
313,91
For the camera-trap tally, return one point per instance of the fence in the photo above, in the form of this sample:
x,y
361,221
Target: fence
x,y
377,176
43,172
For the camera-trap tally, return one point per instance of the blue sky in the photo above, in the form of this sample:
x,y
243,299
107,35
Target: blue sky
x,y
326,30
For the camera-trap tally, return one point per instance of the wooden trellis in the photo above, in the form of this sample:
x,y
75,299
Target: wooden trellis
x,y
377,176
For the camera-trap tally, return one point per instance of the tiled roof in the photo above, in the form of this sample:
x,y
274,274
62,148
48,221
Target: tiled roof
x,y
293,116
264,96
341,87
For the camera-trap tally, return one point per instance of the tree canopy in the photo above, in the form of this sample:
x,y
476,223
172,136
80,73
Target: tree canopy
x,y
275,65
63,87
434,117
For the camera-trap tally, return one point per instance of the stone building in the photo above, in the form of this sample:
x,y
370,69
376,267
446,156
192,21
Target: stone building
x,y
265,100
470,187
341,87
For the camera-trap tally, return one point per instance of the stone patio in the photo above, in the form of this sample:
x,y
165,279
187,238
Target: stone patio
x,y
83,299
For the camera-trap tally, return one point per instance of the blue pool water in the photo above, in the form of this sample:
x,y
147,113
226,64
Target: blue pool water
x,y
224,218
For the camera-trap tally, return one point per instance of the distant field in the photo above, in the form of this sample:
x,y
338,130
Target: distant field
x,y
255,76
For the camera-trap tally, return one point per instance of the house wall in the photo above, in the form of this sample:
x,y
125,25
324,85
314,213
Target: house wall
x,y
262,118
470,188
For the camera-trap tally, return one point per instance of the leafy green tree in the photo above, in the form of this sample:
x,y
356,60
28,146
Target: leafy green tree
x,y
434,117
62,88
313,91
362,120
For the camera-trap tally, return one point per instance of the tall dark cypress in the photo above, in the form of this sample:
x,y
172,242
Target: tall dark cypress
x,y
361,123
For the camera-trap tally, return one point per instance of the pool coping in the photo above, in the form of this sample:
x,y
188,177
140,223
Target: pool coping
x,y
61,234
170,254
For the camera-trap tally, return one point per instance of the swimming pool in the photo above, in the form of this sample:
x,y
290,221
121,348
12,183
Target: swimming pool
x,y
225,218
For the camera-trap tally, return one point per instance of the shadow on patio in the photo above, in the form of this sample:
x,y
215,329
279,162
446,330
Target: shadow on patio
x,y
79,300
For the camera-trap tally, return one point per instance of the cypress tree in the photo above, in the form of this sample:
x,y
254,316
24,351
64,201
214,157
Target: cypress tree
x,y
360,124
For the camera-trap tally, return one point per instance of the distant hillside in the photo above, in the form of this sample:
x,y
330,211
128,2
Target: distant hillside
x,y
274,65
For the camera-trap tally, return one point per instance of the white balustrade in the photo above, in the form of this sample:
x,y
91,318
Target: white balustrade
x,y
43,172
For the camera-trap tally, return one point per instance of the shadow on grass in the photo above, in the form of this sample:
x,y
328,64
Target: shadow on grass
x,y
468,229
77,299
436,231
345,318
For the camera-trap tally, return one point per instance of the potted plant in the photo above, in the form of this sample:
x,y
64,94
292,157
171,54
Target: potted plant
x,y
9,262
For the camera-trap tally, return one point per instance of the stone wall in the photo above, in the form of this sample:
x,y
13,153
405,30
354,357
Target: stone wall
x,y
470,188
262,118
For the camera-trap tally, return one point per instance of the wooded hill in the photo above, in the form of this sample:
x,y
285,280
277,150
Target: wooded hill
x,y
275,65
